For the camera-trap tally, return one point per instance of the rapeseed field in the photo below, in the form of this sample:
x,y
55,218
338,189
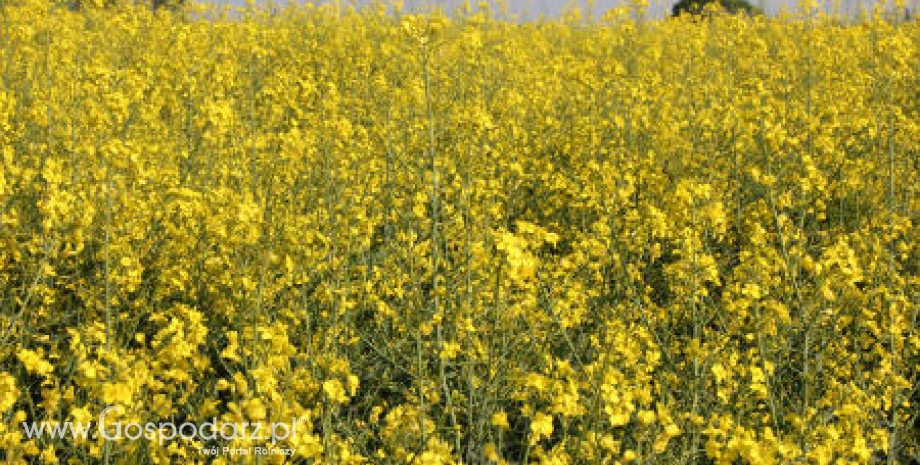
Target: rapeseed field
x,y
424,237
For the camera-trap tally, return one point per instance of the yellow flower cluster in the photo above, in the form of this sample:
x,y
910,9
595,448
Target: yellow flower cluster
x,y
448,238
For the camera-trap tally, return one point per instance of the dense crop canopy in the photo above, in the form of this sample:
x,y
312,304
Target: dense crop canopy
x,y
437,239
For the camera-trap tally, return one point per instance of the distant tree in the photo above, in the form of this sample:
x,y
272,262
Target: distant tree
x,y
696,7
157,4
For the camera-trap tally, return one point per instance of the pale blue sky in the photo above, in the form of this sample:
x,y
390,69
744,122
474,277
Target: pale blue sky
x,y
532,9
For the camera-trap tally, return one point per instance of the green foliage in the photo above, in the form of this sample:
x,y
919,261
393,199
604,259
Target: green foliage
x,y
696,7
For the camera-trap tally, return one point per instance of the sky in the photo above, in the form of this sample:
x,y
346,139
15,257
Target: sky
x,y
532,9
